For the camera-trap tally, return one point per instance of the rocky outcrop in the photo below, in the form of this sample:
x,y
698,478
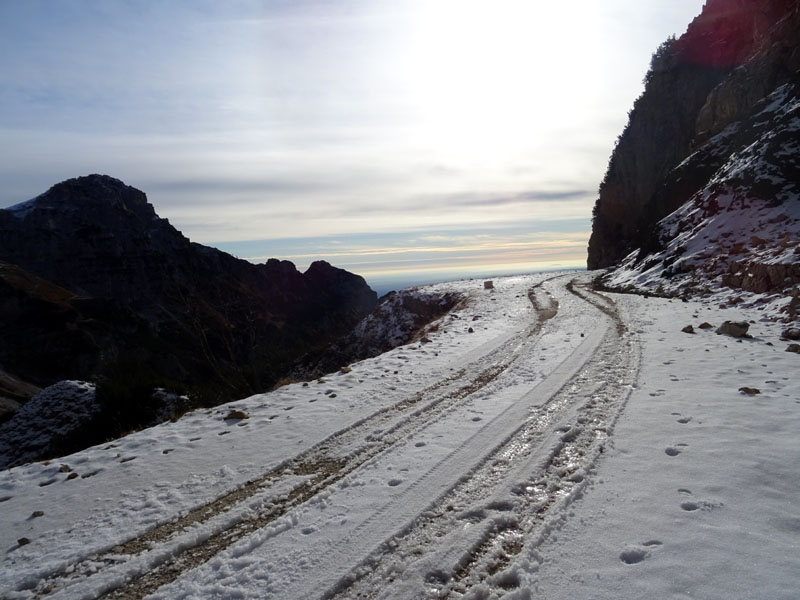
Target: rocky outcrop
x,y
95,286
399,318
732,56
43,423
740,231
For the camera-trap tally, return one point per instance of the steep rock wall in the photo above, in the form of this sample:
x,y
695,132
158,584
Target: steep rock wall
x,y
731,57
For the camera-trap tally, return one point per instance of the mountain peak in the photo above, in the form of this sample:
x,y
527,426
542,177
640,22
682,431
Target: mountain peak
x,y
100,288
98,192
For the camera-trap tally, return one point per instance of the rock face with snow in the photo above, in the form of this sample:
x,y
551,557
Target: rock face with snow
x,y
95,286
703,186
399,318
45,421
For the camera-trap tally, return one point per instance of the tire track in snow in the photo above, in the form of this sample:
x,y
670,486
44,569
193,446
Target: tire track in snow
x,y
467,539
158,556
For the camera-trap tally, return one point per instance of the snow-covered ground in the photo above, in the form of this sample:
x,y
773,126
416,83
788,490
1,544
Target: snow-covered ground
x,y
566,445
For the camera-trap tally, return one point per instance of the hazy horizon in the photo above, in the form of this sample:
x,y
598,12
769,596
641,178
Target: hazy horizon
x,y
400,140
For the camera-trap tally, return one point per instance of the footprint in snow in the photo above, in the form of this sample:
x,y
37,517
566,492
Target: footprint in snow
x,y
127,459
637,553
437,577
695,505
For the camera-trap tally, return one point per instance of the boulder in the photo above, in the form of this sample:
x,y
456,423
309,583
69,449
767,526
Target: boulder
x,y
39,428
737,329
236,414
792,333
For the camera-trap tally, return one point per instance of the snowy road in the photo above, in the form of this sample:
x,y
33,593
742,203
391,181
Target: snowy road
x,y
431,446
437,470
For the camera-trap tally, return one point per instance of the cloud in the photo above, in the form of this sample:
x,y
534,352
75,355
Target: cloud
x,y
313,119
522,198
216,187
408,256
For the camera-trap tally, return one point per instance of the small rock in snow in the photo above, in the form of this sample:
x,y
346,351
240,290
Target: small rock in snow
x,y
688,329
749,391
736,329
237,414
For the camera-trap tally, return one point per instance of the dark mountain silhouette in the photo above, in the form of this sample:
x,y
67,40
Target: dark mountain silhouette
x,y
713,138
95,286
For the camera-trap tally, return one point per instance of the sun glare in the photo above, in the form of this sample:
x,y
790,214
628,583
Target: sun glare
x,y
490,78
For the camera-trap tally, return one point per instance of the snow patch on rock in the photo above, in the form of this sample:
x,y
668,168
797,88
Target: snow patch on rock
x,y
54,413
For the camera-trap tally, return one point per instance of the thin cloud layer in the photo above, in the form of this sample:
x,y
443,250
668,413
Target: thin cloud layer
x,y
299,120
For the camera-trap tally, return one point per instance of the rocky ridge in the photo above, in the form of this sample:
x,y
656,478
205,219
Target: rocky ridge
x,y
703,187
401,317
95,286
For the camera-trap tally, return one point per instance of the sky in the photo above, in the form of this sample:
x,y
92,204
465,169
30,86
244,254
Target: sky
x,y
402,139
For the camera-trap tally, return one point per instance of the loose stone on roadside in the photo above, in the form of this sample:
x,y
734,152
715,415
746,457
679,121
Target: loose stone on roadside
x,y
737,329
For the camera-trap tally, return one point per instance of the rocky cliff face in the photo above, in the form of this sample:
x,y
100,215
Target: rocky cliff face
x,y
94,285
703,188
732,57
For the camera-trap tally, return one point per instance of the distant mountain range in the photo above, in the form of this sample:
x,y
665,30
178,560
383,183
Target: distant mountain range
x,y
95,286
703,187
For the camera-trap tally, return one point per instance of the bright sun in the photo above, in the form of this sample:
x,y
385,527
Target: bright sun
x,y
492,77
